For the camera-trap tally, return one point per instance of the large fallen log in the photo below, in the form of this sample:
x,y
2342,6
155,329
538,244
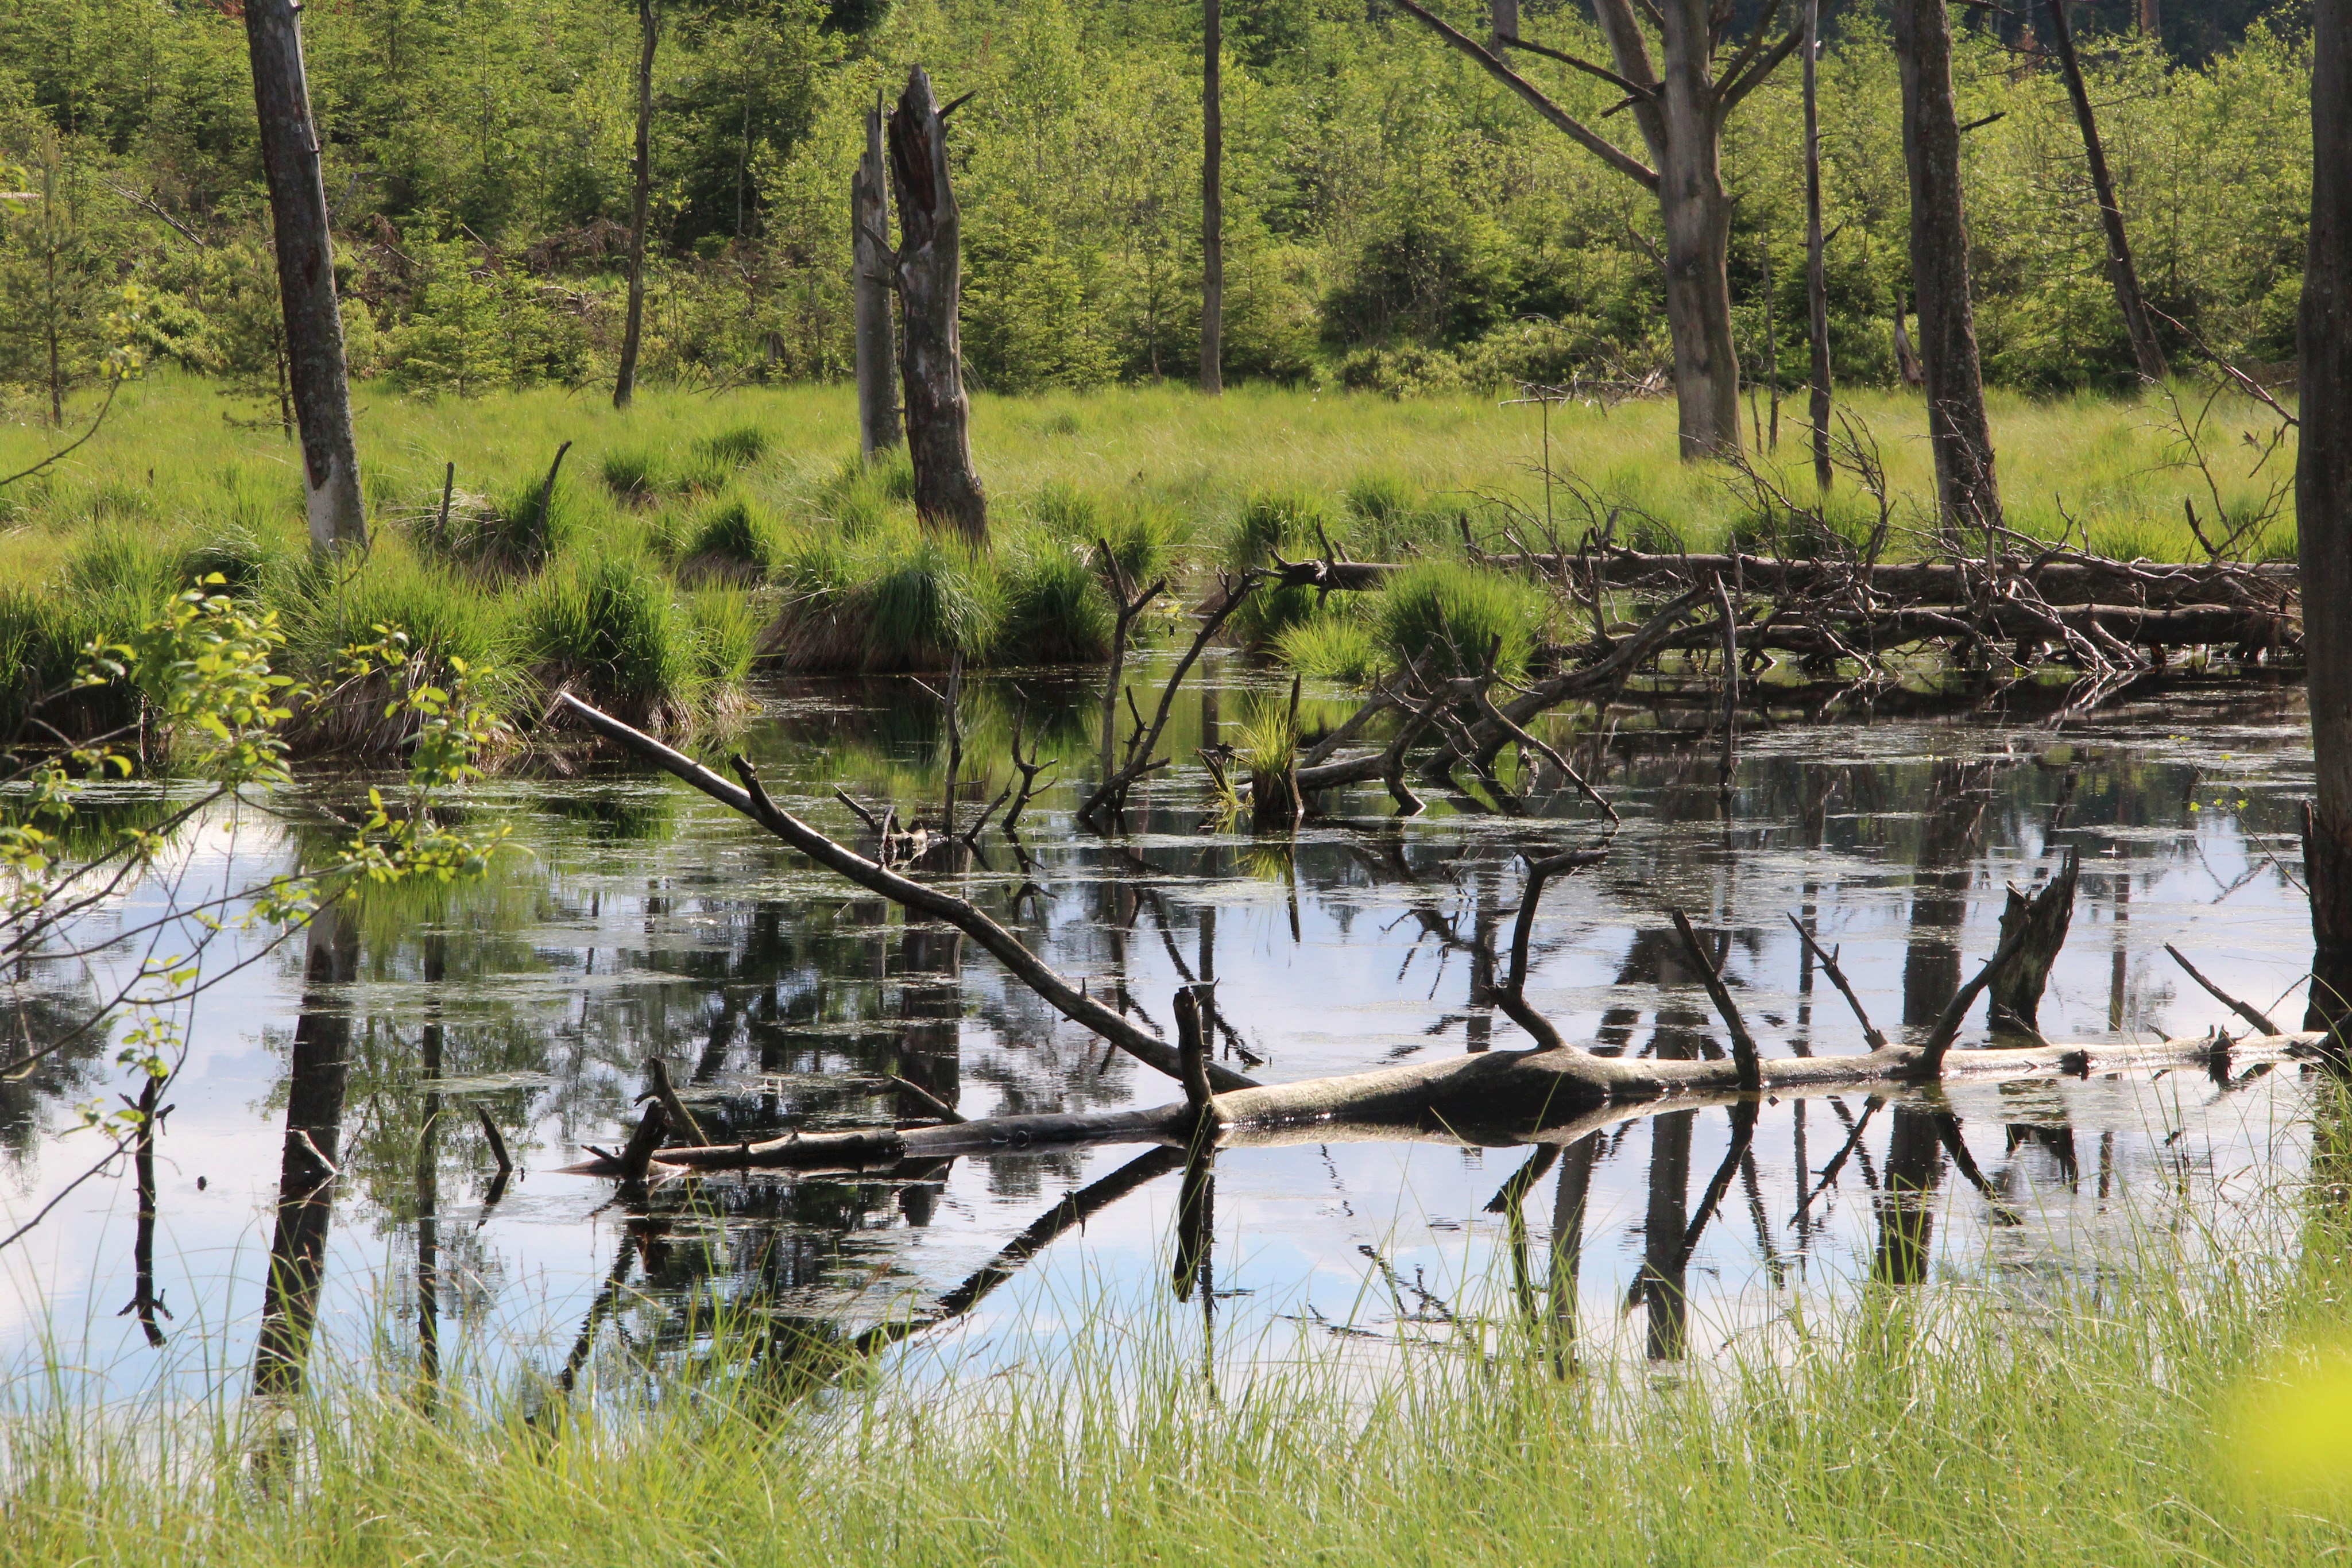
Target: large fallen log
x,y
1495,1098
1512,1091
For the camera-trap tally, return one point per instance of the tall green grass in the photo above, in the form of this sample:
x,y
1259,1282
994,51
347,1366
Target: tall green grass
x,y
2099,1419
752,490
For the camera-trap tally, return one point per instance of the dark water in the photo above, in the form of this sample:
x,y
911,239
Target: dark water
x,y
639,919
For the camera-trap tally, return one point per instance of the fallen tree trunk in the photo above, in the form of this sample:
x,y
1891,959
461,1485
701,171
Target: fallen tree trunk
x,y
1498,1097
2063,580
1509,1091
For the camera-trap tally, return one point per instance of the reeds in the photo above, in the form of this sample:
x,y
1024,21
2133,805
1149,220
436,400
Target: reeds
x,y
1985,1421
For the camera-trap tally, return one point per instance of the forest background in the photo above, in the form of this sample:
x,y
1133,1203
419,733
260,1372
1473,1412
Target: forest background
x,y
1394,221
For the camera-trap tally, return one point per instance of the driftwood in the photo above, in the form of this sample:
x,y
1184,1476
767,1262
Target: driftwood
x,y
1504,1094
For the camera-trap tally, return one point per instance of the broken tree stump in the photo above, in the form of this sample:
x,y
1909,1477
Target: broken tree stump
x,y
2044,917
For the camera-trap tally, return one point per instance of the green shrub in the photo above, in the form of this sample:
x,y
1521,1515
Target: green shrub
x,y
904,601
726,637
727,539
1055,609
1332,646
738,446
632,473
243,560
1443,617
607,630
447,618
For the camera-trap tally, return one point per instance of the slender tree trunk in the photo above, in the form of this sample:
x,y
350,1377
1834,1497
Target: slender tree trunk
x,y
1212,197
2323,493
2151,19
305,277
870,264
1680,114
1817,292
1771,351
1506,17
625,384
1957,430
1698,237
2146,354
930,291
308,1163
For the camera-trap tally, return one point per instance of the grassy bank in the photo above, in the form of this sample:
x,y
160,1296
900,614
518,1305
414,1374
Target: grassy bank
x,y
686,535
2176,1410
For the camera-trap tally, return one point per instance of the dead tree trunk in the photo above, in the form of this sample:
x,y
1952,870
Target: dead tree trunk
x,y
1213,198
624,383
1681,115
929,272
2016,991
869,252
305,277
2147,353
1958,430
1817,291
2324,510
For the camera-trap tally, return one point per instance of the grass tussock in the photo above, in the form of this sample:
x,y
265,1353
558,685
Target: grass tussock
x,y
2136,1420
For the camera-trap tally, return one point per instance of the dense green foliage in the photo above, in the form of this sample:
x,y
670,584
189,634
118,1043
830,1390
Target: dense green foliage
x,y
1393,220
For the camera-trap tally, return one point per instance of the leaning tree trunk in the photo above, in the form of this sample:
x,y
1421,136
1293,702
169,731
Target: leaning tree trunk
x,y
2323,493
625,384
1213,198
870,264
929,269
2146,354
1958,432
1698,216
305,277
1817,292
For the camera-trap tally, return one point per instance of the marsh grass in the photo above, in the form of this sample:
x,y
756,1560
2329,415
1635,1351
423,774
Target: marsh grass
x,y
762,485
2091,1418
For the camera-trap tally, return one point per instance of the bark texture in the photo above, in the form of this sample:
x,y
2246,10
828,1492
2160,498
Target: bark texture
x,y
2148,355
624,383
2324,508
2044,915
929,268
1958,430
305,277
1817,292
870,264
1212,197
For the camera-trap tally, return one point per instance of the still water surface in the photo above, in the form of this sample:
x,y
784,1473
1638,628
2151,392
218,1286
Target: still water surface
x,y
638,918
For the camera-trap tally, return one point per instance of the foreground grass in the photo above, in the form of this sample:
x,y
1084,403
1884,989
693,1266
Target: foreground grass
x,y
1973,1424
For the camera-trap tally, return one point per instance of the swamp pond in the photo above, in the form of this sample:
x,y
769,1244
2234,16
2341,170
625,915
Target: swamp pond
x,y
634,917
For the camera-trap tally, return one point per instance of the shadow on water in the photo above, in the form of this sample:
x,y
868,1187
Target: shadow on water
x,y
644,925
